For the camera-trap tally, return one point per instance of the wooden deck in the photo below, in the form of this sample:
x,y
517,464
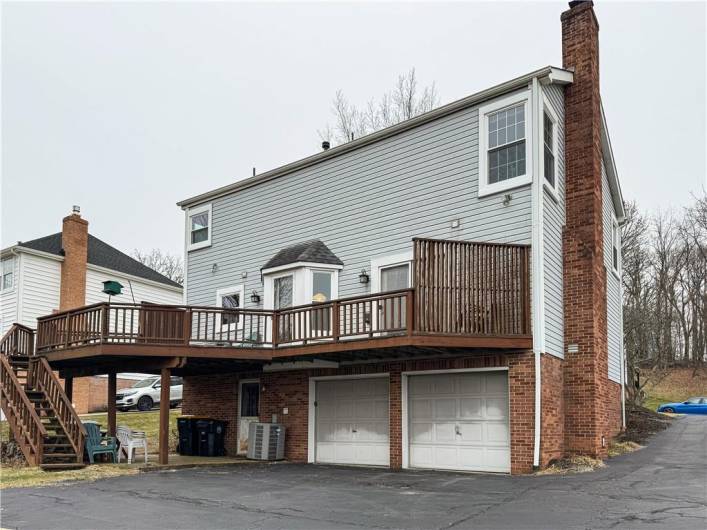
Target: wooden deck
x,y
466,296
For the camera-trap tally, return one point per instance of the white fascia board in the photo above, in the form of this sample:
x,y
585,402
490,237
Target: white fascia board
x,y
301,264
558,76
611,172
132,278
19,248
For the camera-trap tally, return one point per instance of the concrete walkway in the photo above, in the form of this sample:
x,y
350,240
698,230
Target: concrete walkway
x,y
662,486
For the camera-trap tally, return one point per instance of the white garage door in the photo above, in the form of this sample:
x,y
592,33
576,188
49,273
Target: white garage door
x,y
352,421
459,421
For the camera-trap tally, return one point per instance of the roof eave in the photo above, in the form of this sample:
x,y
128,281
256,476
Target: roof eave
x,y
611,171
550,73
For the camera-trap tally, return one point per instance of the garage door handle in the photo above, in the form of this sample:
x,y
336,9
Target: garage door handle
x,y
354,430
457,430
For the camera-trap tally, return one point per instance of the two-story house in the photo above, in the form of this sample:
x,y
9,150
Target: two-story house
x,y
36,276
525,163
443,293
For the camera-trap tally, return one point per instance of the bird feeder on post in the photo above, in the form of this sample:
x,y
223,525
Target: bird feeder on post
x,y
112,288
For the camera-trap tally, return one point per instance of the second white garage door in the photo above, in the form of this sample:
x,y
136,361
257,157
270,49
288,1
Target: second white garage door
x,y
459,421
352,421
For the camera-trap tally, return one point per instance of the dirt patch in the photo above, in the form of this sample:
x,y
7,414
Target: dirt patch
x,y
641,423
571,465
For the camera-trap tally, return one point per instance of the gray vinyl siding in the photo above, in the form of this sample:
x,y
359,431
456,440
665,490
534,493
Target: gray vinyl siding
x,y
366,203
553,221
614,307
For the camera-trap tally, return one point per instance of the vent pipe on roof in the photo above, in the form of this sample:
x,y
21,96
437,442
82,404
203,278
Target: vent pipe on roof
x,y
326,145
76,209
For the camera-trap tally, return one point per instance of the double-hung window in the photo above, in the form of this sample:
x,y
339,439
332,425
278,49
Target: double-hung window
x,y
8,270
615,246
231,300
548,149
504,154
199,227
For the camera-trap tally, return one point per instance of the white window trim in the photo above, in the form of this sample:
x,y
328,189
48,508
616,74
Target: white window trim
x,y
552,190
489,189
11,260
615,227
191,212
226,291
384,262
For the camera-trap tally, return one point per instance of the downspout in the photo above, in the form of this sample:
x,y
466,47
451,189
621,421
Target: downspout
x,y
538,273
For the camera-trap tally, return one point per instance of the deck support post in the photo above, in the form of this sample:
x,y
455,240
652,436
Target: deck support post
x,y
164,415
112,389
69,388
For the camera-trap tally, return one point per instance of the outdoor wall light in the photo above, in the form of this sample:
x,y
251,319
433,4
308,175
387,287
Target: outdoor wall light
x,y
255,297
363,277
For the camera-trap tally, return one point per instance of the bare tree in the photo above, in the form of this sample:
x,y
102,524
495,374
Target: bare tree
x,y
405,101
166,264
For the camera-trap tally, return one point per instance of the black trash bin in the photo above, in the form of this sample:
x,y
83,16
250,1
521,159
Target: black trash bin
x,y
210,436
187,437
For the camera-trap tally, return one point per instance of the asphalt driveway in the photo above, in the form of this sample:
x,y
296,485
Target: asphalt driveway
x,y
662,486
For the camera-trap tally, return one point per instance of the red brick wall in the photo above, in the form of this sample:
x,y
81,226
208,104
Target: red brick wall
x,y
587,391
74,241
90,394
552,413
216,396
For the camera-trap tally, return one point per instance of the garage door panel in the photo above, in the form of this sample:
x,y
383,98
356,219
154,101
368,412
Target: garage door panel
x,y
497,433
471,432
422,408
445,408
422,432
496,383
496,408
351,421
471,408
459,421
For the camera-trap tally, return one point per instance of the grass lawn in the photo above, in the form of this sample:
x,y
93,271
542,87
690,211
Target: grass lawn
x,y
149,422
19,477
27,477
652,402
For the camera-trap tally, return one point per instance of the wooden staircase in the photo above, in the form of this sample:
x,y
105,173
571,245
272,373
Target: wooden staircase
x,y
39,413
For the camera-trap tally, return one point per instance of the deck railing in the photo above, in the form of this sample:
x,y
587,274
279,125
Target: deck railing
x,y
18,341
460,288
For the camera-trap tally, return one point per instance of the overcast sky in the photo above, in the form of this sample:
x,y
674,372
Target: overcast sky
x,y
124,109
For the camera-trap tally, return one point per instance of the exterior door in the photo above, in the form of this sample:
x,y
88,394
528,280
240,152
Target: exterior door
x,y
351,423
283,297
248,410
459,421
392,315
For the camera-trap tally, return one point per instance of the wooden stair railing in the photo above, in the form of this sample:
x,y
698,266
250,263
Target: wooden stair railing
x,y
19,340
23,420
42,378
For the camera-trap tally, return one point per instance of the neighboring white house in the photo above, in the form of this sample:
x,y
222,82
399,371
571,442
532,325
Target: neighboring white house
x,y
30,287
31,279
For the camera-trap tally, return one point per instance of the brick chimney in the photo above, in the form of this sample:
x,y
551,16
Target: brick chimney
x,y
586,357
74,244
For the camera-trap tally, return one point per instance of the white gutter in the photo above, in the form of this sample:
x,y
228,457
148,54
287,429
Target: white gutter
x,y
538,273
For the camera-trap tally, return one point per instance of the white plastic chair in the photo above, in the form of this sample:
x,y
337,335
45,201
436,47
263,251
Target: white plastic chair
x,y
129,441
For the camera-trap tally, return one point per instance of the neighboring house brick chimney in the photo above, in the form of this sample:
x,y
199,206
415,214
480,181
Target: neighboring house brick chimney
x,y
586,370
74,243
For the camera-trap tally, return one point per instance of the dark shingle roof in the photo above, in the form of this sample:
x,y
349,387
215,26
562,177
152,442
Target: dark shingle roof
x,y
102,255
313,251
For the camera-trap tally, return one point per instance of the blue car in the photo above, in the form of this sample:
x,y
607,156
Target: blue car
x,y
694,405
